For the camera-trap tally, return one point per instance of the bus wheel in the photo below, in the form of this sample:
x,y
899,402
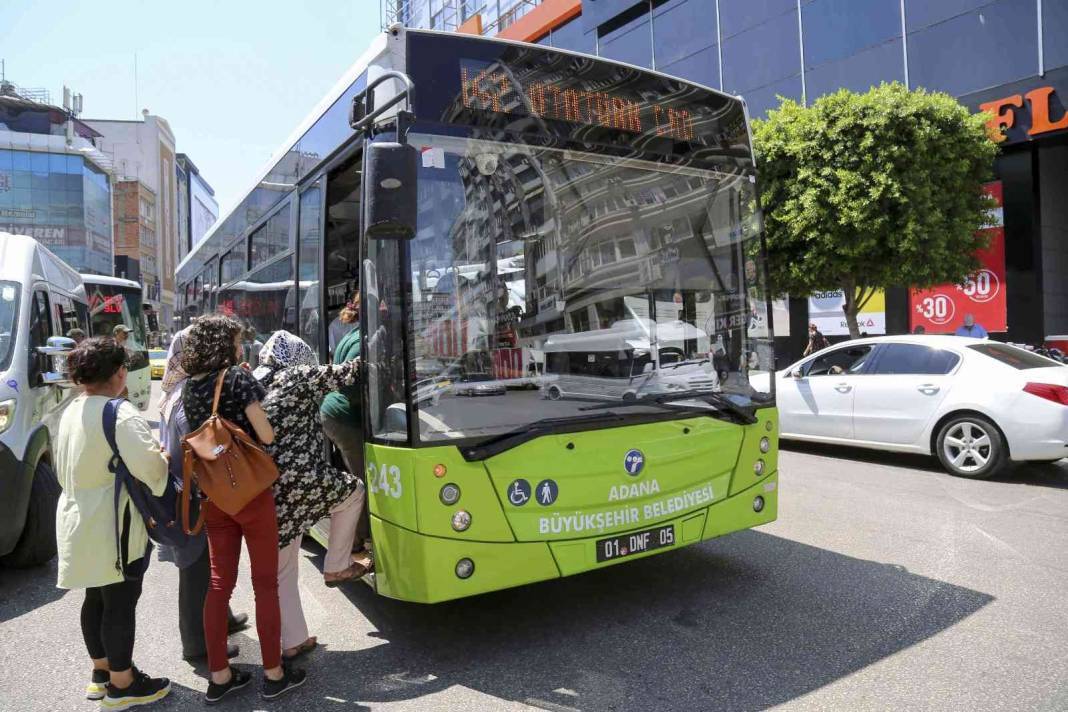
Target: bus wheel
x,y
37,544
554,393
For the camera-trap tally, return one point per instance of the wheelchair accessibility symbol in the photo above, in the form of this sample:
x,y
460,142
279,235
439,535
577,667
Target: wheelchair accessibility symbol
x,y
519,492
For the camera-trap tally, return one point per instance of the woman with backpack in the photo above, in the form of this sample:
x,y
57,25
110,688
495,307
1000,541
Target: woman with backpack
x,y
309,487
194,567
213,349
104,556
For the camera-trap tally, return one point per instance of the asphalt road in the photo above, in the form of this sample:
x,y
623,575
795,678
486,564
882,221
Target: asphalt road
x,y
885,584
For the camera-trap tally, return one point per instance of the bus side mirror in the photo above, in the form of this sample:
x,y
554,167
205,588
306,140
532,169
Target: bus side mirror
x,y
391,172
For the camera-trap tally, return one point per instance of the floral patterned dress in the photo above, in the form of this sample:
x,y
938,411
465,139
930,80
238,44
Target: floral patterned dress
x,y
308,487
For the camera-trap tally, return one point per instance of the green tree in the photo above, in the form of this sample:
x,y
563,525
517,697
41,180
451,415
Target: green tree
x,y
862,192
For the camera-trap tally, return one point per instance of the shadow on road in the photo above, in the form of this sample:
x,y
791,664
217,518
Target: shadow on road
x,y
21,590
742,623
1029,473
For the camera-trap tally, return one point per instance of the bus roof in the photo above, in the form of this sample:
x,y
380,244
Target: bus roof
x,y
110,281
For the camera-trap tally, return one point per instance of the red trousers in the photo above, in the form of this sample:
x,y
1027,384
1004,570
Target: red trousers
x,y
257,523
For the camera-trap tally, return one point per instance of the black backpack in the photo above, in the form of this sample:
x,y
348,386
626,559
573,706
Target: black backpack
x,y
160,514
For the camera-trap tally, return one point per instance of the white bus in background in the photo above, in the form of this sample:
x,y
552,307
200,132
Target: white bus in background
x,y
114,301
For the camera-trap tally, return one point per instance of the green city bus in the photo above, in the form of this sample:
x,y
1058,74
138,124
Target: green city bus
x,y
491,200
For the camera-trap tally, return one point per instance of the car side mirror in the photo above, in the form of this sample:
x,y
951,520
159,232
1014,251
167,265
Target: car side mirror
x,y
56,348
797,373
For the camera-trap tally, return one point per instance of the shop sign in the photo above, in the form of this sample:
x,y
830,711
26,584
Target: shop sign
x,y
941,309
1039,111
825,310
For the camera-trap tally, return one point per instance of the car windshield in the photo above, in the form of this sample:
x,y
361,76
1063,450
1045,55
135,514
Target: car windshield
x,y
157,354
567,277
9,314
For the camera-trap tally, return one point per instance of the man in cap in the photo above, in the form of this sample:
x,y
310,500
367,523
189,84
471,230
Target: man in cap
x,y
121,333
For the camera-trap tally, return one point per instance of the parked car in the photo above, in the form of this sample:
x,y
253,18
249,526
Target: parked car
x,y
974,404
157,361
478,384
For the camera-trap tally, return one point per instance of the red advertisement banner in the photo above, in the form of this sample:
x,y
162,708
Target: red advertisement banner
x,y
941,309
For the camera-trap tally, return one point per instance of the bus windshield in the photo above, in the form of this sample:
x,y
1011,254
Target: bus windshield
x,y
544,278
111,305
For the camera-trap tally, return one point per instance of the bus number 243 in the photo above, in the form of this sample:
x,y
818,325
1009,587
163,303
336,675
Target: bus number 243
x,y
384,479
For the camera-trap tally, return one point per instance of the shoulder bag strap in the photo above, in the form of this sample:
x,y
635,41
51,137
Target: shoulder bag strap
x,y
218,391
187,487
111,413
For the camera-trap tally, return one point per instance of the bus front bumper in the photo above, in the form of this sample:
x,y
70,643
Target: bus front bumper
x,y
416,567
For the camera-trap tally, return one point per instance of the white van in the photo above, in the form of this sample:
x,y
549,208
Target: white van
x,y
42,301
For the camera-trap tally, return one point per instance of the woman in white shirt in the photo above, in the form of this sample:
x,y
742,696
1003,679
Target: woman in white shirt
x,y
89,556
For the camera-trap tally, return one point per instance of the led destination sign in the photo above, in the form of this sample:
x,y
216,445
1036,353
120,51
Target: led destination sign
x,y
495,89
564,98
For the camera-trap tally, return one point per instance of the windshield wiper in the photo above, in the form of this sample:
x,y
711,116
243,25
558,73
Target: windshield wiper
x,y
738,413
499,443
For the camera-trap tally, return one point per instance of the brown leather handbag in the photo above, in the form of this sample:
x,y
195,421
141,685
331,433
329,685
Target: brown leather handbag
x,y
225,462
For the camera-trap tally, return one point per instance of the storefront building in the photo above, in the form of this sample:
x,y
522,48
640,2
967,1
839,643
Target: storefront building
x,y
1009,57
54,183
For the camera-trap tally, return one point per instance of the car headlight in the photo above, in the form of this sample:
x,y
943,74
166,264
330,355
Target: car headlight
x,y
7,413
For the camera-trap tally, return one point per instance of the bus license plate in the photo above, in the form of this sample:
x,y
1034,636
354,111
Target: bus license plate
x,y
637,543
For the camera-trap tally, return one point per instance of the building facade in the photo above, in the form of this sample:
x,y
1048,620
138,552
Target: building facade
x,y
144,152
197,207
135,233
1008,57
55,184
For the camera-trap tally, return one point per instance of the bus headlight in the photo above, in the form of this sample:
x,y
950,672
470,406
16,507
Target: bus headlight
x,y
765,444
758,467
7,413
758,504
464,568
450,494
461,520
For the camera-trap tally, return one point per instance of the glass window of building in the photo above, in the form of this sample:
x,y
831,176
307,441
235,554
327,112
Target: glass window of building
x,y
270,239
682,28
858,72
762,55
740,15
571,36
627,39
61,201
836,29
1055,32
994,44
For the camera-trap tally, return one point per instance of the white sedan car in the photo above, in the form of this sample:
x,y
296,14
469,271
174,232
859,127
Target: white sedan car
x,y
975,404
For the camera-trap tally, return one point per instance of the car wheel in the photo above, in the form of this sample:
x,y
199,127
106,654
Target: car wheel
x,y
629,396
971,446
37,544
554,393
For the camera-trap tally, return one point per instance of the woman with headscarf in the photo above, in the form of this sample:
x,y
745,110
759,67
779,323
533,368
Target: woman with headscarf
x,y
308,487
192,560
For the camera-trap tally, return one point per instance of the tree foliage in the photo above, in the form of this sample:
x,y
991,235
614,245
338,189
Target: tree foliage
x,y
862,192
